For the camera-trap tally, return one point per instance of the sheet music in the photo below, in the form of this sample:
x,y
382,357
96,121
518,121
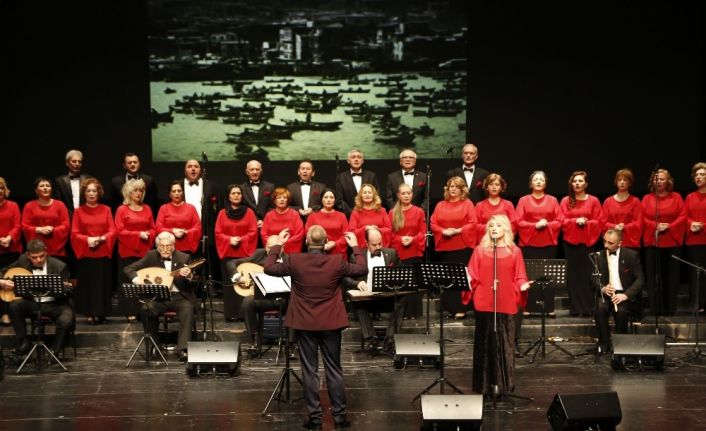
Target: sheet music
x,y
269,284
357,292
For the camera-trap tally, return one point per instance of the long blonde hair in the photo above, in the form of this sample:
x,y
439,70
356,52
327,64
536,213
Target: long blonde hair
x,y
377,202
487,242
397,213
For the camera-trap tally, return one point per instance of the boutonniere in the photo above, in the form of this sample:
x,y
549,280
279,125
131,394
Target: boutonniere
x,y
266,193
315,193
421,184
479,184
214,202
626,270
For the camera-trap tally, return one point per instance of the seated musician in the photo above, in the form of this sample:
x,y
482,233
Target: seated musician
x,y
621,282
37,262
254,305
376,255
182,296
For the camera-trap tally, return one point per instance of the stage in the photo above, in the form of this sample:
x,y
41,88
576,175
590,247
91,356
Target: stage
x,y
98,391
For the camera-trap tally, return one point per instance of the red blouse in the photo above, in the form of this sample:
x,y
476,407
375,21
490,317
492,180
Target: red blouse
x,y
336,225
589,233
92,221
695,205
461,214
128,225
671,210
10,222
511,276
183,216
415,226
485,210
55,214
628,212
245,228
274,223
361,217
529,211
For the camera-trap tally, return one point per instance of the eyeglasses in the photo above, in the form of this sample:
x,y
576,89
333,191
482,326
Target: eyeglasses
x,y
163,246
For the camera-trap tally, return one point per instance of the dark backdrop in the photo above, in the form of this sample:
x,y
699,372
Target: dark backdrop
x,y
550,87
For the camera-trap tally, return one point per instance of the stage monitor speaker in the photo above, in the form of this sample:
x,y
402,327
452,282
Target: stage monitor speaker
x,y
452,412
214,358
599,410
416,349
641,350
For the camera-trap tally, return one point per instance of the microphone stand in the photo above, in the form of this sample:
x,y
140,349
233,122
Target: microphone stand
x,y
658,303
206,253
597,276
695,355
427,237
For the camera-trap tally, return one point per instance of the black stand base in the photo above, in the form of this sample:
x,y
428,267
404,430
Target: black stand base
x,y
441,381
38,349
149,342
695,356
540,346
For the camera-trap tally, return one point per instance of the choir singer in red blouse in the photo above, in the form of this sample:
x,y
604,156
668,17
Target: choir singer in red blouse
x,y
333,221
46,219
180,219
368,211
538,220
494,185
10,237
623,211
695,205
282,217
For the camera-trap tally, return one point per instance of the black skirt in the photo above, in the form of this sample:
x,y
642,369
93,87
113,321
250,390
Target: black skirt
x,y
93,293
493,365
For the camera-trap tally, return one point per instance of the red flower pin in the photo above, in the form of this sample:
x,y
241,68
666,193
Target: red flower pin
x,y
266,193
421,184
315,193
479,184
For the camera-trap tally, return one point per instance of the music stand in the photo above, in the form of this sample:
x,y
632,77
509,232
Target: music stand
x,y
39,287
146,293
441,276
394,279
545,272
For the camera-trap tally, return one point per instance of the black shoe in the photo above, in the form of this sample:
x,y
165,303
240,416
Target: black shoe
x,y
343,424
23,348
311,425
372,346
183,356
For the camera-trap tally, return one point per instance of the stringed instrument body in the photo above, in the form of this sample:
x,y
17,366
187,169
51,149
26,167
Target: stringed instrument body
x,y
9,295
162,276
245,286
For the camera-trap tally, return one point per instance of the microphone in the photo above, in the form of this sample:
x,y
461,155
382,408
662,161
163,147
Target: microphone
x,y
336,156
450,150
236,277
204,157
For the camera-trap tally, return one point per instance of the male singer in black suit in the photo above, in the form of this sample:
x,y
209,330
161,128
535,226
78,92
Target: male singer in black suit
x,y
472,174
256,191
620,286
131,166
375,255
182,296
417,180
59,310
67,187
349,181
305,194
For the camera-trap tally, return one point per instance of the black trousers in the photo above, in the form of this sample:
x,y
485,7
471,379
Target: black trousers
x,y
363,310
659,265
697,255
451,299
59,311
330,343
252,312
578,278
185,313
604,308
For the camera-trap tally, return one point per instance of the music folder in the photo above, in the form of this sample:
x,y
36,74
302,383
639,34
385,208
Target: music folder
x,y
269,285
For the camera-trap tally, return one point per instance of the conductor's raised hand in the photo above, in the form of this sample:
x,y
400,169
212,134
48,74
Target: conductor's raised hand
x,y
351,239
283,236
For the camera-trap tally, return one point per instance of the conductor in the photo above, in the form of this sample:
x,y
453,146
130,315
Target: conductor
x,y
317,314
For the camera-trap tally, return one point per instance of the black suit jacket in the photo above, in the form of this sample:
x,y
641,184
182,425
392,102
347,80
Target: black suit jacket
x,y
54,266
346,192
62,191
296,201
151,192
211,203
264,198
153,259
631,275
475,190
418,189
390,257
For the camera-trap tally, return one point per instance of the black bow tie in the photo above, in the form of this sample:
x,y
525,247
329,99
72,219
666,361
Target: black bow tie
x,y
409,173
612,253
356,174
468,170
193,183
74,177
131,177
37,268
166,259
254,184
376,253
305,183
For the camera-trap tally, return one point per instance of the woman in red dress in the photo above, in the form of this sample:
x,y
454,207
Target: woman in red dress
x,y
538,220
92,239
236,237
623,211
664,220
695,205
453,224
368,211
582,222
494,186
135,230
46,219
282,217
496,258
10,232
333,221
180,219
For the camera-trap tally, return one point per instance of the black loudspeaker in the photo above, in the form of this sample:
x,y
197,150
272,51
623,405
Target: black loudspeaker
x,y
214,358
416,349
643,350
599,410
452,412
